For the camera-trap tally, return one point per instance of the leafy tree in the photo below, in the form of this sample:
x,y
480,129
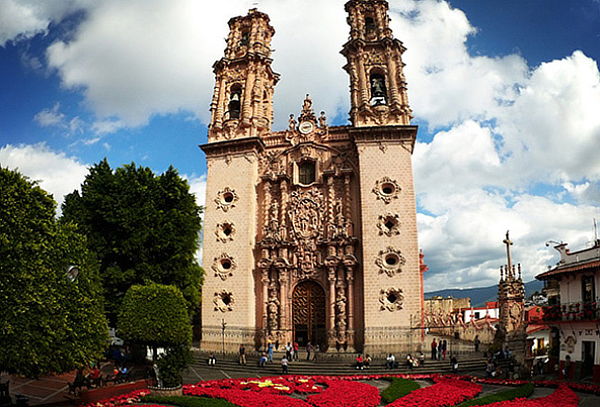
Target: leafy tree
x,y
155,315
142,227
49,323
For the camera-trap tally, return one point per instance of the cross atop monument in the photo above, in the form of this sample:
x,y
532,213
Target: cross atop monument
x,y
508,243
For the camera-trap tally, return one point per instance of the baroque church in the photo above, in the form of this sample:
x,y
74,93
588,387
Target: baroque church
x,y
310,232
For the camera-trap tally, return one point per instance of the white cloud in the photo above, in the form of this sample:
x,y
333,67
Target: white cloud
x,y
50,117
22,19
57,173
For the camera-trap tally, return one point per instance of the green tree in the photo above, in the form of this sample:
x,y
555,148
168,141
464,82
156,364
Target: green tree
x,y
142,227
155,315
49,323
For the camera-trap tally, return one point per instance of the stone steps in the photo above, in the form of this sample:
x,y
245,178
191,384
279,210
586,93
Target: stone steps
x,y
334,367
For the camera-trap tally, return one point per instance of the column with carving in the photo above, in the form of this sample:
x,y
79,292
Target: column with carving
x,y
264,279
350,284
330,203
348,206
283,187
284,323
332,328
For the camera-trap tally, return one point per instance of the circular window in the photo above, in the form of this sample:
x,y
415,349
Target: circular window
x,y
391,259
226,298
227,230
228,197
225,264
392,298
388,188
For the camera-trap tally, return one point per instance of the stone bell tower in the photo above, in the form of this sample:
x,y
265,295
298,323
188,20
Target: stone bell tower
x,y
241,115
384,140
377,83
242,104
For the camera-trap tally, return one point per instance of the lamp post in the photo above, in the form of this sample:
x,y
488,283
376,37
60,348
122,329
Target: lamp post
x,y
223,325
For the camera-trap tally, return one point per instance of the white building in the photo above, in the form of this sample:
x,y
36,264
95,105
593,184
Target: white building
x,y
573,311
491,310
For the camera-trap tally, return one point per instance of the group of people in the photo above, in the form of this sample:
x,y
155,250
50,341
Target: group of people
x,y
439,349
363,362
94,377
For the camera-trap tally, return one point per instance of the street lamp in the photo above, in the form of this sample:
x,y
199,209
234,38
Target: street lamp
x,y
72,273
223,325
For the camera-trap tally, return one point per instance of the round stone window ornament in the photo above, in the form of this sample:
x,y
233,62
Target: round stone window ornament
x,y
386,189
389,224
390,261
223,266
391,299
223,301
226,199
225,232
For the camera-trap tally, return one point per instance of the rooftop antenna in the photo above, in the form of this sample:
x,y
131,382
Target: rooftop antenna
x,y
595,231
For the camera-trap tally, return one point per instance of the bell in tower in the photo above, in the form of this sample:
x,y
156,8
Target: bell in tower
x,y
377,82
242,104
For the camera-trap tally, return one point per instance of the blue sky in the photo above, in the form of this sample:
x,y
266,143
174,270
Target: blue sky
x,y
506,94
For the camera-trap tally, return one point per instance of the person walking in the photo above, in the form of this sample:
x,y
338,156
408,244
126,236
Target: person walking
x,y
317,350
309,349
270,352
433,349
242,352
454,363
284,365
288,351
444,348
296,348
439,350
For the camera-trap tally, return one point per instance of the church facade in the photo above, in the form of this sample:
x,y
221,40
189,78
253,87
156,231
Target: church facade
x,y
310,232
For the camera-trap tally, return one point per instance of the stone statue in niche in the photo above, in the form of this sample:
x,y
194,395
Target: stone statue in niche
x,y
322,120
292,123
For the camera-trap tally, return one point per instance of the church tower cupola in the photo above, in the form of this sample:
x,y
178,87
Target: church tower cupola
x,y
242,104
377,82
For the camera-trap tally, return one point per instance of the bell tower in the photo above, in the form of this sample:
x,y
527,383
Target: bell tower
x,y
377,83
242,104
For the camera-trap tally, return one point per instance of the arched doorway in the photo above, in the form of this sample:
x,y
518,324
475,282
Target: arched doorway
x,y
308,314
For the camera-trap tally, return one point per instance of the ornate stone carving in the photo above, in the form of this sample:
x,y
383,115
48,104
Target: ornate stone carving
x,y
225,232
224,301
390,261
305,215
272,311
223,266
226,199
308,127
340,310
386,189
391,299
389,224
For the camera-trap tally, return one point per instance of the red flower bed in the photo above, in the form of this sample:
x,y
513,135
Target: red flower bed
x,y
445,392
561,397
244,398
345,393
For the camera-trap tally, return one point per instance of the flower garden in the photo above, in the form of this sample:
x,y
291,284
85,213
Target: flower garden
x,y
352,391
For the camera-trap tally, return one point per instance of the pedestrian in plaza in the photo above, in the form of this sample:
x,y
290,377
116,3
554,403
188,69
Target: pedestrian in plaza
x,y
270,352
288,351
421,358
433,349
476,343
454,363
309,349
242,352
390,361
284,365
444,348
367,361
439,350
359,362
263,360
317,350
296,348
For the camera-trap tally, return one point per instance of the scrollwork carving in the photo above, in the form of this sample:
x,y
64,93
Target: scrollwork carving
x,y
225,232
390,261
391,299
226,199
224,301
223,266
386,189
389,224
